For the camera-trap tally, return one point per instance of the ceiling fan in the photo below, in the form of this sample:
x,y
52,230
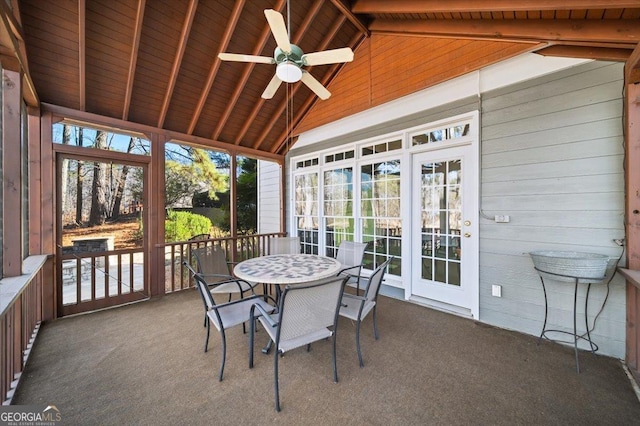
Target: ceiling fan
x,y
290,59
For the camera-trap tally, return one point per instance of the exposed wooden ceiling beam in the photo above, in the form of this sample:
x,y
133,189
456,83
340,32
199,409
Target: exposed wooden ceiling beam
x,y
82,63
257,50
12,44
599,53
135,45
282,107
213,71
177,60
614,31
351,17
455,6
632,67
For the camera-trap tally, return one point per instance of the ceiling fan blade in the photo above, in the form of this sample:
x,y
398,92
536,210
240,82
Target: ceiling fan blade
x,y
272,87
334,56
245,58
279,29
315,85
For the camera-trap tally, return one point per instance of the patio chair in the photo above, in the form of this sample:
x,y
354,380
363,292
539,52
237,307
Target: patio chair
x,y
305,313
356,307
212,265
226,315
284,245
350,255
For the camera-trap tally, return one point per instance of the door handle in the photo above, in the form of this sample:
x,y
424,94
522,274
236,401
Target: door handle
x,y
467,234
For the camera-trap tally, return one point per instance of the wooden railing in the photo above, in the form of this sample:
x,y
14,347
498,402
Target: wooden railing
x,y
237,249
21,312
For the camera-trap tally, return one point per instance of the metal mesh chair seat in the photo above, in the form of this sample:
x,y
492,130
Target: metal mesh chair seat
x,y
306,314
226,315
351,305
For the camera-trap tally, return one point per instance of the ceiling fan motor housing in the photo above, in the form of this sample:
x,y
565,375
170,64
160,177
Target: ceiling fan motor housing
x,y
294,56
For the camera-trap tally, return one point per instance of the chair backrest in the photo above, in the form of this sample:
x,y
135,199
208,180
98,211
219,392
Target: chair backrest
x,y
350,253
203,289
304,309
284,245
375,281
211,260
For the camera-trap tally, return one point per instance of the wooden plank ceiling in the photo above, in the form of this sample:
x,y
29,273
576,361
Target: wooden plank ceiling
x,y
154,62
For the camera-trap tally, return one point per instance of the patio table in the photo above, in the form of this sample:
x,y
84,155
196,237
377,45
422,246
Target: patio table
x,y
281,269
286,269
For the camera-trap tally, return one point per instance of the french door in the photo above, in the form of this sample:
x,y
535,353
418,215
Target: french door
x,y
445,224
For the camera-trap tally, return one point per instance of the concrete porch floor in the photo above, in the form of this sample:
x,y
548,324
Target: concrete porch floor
x,y
144,364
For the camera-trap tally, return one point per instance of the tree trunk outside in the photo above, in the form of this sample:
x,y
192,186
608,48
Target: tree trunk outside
x,y
115,212
79,183
66,138
99,208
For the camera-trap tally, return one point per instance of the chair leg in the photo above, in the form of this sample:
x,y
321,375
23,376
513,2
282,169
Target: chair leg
x,y
206,341
333,356
252,326
224,353
375,324
275,372
358,343
205,320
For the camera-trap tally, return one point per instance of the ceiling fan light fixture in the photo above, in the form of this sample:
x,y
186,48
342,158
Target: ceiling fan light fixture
x,y
288,72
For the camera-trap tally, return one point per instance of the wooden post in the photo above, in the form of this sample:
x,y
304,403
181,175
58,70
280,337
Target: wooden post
x,y
154,217
632,166
11,169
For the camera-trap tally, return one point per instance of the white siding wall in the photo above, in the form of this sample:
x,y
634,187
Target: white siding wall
x,y
268,197
552,159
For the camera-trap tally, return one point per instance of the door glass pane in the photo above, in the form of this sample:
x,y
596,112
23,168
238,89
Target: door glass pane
x,y
338,198
441,214
306,211
381,224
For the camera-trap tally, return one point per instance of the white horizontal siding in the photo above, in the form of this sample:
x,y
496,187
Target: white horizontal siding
x,y
268,197
552,159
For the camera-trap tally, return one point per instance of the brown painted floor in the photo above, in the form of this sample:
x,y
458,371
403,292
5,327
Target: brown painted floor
x,y
143,364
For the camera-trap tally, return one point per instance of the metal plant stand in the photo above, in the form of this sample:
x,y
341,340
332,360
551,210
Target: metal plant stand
x,y
576,336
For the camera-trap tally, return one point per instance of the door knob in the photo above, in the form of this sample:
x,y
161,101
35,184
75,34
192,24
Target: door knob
x,y
467,234
467,223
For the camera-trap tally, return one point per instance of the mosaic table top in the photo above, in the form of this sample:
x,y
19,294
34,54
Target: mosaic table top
x,y
287,268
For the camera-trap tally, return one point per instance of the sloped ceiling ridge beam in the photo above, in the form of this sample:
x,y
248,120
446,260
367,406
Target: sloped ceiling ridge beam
x,y
134,58
351,17
439,6
615,31
226,37
184,37
257,51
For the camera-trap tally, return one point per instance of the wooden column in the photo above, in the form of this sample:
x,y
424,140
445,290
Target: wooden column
x,y
632,167
233,203
154,215
11,168
47,217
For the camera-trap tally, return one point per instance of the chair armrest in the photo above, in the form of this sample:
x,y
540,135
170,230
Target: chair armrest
x,y
262,312
343,271
225,280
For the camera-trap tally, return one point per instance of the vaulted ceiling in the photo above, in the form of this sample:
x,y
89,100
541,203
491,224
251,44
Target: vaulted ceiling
x,y
154,62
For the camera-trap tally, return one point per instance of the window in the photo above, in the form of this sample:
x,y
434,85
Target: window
x,y
380,147
440,134
338,208
306,211
380,213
